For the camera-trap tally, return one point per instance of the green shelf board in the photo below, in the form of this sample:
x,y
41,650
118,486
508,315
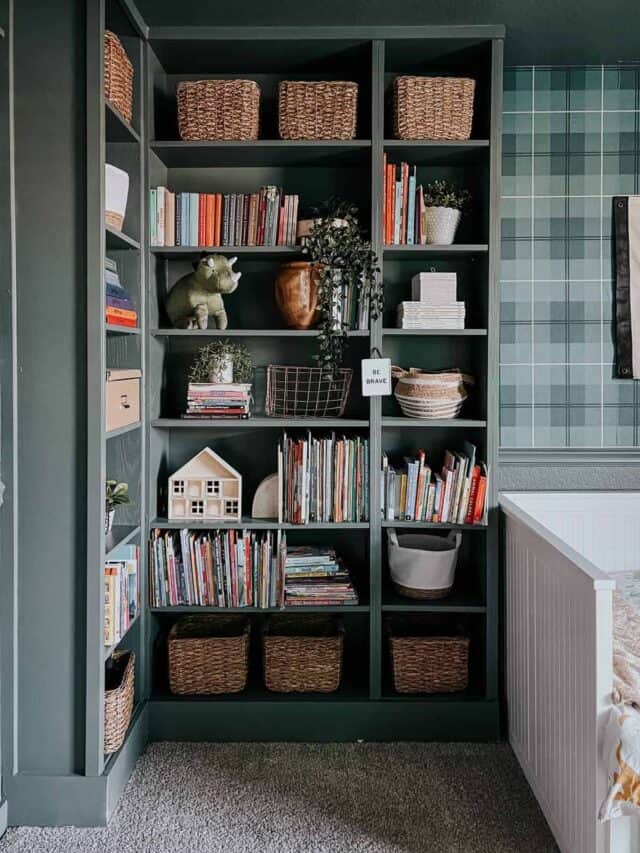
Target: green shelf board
x,y
112,329
117,128
424,423
256,524
120,535
247,333
436,333
432,153
455,602
399,252
346,609
261,152
251,251
429,525
119,240
260,422
109,650
114,433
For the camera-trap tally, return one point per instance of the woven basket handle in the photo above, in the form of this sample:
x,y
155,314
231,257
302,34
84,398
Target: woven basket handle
x,y
455,537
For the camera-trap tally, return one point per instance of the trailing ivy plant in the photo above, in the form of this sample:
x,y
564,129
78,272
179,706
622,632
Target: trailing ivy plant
x,y
445,194
214,357
344,258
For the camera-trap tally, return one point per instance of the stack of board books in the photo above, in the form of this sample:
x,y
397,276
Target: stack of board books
x,y
221,568
119,307
456,495
120,592
265,218
218,400
315,576
323,479
403,206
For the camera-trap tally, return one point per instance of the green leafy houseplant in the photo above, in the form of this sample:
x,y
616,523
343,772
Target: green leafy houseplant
x,y
445,194
344,258
213,358
116,494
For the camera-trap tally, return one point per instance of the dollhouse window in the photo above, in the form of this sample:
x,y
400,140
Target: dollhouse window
x,y
178,487
231,507
213,488
197,507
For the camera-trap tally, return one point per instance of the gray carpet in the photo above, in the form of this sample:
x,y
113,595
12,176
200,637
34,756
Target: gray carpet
x,y
302,798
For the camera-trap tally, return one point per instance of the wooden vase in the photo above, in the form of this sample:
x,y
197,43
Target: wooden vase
x,y
297,294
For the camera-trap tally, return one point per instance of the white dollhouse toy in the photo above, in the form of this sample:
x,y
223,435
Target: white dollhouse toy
x,y
206,488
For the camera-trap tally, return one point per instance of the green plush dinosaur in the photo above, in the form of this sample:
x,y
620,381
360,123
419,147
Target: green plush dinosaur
x,y
197,296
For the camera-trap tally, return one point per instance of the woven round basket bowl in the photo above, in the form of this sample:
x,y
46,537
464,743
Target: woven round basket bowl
x,y
428,394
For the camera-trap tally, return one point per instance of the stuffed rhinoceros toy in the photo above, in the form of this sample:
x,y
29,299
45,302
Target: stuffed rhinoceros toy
x,y
197,296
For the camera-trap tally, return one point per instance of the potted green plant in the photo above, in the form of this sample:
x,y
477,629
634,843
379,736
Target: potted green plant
x,y
344,259
221,361
444,204
334,208
117,494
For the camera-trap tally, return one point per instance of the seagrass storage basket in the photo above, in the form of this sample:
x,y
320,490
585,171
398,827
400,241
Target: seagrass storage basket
x,y
433,107
118,699
218,109
209,654
118,76
325,110
424,662
306,392
302,654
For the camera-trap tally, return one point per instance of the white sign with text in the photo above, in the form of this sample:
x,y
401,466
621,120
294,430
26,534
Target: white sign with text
x,y
376,377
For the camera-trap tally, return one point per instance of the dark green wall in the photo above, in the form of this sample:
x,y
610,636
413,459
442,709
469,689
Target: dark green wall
x,y
538,31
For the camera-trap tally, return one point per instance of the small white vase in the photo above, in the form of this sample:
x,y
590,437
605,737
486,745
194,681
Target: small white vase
x,y
224,373
108,520
441,224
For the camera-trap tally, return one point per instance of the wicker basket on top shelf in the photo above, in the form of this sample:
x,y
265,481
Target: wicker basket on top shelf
x,y
306,392
118,699
118,76
209,654
324,110
433,107
218,110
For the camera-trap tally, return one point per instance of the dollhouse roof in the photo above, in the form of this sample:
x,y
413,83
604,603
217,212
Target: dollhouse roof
x,y
206,464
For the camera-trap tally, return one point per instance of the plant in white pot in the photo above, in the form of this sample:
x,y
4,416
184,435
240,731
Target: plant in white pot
x,y
444,204
116,494
221,361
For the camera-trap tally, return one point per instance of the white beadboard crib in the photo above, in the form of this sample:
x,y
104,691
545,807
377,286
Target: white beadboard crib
x,y
558,649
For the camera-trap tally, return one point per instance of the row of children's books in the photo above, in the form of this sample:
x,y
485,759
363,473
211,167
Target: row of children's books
x,y
457,494
264,218
220,568
404,207
121,592
323,479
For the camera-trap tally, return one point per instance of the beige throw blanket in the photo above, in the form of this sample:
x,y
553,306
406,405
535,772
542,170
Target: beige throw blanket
x,y
626,650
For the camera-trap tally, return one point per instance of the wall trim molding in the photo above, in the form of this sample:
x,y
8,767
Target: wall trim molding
x,y
569,456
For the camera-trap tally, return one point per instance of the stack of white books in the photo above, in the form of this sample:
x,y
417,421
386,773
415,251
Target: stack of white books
x,y
434,304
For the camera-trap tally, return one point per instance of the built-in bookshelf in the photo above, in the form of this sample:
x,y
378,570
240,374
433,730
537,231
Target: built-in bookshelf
x,y
315,170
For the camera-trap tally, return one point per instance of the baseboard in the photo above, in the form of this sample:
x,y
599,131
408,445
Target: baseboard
x,y
323,720
38,800
3,818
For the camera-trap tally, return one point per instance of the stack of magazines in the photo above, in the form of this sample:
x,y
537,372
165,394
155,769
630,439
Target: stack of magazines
x,y
218,400
315,576
221,568
323,479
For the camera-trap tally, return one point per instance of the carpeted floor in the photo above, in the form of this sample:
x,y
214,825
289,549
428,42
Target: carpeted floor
x,y
311,798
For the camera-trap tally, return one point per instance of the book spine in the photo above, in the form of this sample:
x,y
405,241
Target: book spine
x,y
411,212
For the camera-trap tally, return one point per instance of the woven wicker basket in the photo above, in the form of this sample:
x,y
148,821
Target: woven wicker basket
x,y
118,699
427,664
302,654
118,76
209,654
218,109
325,110
433,107
306,392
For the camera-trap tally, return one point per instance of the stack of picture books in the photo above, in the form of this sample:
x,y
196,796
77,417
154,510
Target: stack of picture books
x,y
119,307
264,218
221,568
434,304
218,400
456,495
120,592
403,208
323,479
315,576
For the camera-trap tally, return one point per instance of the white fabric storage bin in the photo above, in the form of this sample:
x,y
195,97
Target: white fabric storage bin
x,y
116,192
421,565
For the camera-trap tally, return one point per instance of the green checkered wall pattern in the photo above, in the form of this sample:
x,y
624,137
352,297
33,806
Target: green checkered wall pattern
x,y
571,141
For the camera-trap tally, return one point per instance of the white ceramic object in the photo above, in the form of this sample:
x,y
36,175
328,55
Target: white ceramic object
x,y
108,520
265,501
441,224
224,372
423,563
116,192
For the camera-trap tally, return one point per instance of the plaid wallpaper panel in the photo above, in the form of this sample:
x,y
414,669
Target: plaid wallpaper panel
x,y
571,141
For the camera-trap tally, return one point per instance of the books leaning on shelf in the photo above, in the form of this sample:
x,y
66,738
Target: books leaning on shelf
x,y
456,495
403,206
221,568
120,592
264,218
323,479
119,307
315,576
218,400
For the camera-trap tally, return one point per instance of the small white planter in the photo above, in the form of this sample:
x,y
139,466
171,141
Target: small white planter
x,y
224,372
108,520
441,224
116,193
